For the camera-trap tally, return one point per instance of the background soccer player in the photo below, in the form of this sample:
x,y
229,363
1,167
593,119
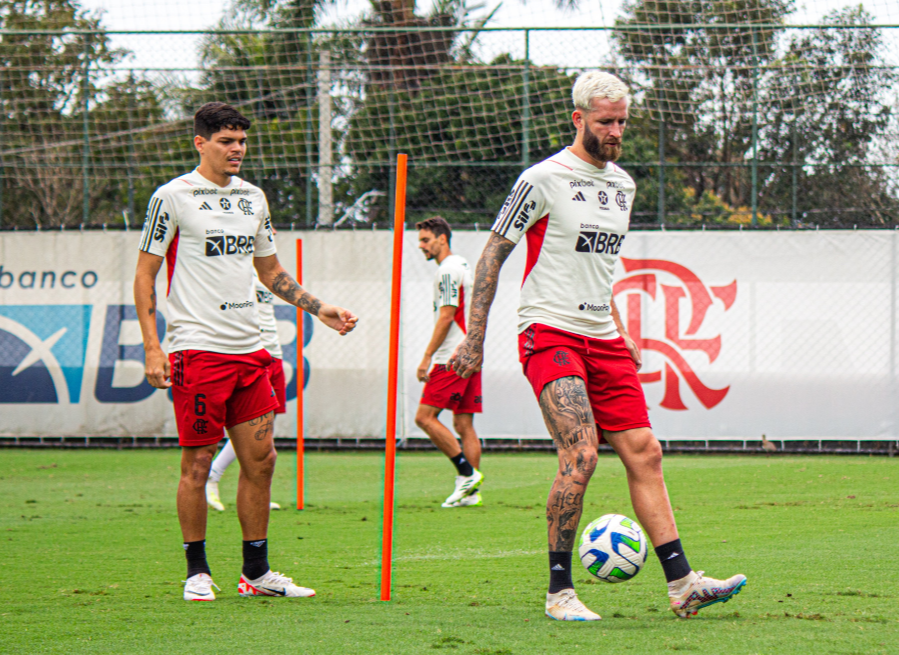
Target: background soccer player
x,y
212,228
443,388
575,210
268,330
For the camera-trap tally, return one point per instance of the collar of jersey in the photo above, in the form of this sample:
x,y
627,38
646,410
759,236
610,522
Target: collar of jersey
x,y
198,177
577,163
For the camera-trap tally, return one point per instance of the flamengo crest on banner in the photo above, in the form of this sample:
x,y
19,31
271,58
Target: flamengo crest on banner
x,y
642,278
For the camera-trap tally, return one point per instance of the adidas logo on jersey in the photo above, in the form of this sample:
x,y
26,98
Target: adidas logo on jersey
x,y
205,206
579,197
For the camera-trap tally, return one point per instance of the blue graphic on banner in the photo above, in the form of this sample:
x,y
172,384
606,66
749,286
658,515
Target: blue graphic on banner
x,y
113,351
289,350
42,349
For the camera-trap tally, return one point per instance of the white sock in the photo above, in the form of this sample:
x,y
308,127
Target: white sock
x,y
678,587
222,461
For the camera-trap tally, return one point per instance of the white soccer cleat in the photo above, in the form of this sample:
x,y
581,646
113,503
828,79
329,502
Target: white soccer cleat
x,y
274,506
465,486
272,584
212,496
565,606
474,500
703,592
199,587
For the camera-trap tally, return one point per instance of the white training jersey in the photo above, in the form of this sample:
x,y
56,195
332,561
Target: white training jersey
x,y
576,217
452,286
209,236
268,326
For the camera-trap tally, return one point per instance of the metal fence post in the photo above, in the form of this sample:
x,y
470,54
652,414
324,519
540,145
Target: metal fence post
x,y
795,176
526,109
755,128
662,172
325,192
310,104
86,147
2,114
131,155
391,141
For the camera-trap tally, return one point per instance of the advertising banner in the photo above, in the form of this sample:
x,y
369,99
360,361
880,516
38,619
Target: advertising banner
x,y
792,335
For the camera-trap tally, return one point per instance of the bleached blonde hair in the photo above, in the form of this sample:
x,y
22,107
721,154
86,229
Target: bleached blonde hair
x,y
597,84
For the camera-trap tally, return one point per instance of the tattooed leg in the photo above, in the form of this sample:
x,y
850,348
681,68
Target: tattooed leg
x,y
255,449
569,419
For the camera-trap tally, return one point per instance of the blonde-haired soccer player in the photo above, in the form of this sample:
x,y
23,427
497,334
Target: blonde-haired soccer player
x,y
573,209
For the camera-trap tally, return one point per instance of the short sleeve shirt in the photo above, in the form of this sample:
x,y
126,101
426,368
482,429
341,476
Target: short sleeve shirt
x,y
209,236
268,326
452,286
575,218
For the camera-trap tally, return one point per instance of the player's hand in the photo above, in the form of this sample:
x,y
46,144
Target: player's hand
x,y
634,350
158,369
467,358
422,371
337,318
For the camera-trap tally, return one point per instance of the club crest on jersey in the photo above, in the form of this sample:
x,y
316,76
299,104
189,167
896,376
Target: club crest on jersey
x,y
621,200
229,244
246,206
599,243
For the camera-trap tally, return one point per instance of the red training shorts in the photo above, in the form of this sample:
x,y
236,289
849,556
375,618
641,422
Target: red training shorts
x,y
215,391
605,366
446,390
279,384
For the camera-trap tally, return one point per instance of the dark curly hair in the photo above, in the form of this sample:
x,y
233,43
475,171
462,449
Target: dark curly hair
x,y
214,116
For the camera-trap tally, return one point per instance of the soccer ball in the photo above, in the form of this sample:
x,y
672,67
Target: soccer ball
x,y
613,548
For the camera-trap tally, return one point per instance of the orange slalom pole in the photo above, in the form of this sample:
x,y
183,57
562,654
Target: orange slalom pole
x,y
399,224
300,376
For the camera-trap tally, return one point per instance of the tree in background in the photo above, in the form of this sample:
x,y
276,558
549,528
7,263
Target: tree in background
x,y
819,99
834,122
270,77
461,120
45,89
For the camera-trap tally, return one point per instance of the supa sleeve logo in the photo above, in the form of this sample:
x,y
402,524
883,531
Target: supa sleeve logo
x,y
643,282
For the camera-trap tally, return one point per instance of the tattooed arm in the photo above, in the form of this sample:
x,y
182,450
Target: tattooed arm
x,y
470,354
632,346
282,284
156,367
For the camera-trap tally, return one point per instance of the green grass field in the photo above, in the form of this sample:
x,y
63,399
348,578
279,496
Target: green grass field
x,y
92,559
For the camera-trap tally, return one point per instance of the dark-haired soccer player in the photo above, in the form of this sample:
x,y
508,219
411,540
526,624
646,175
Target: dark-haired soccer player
x,y
268,330
574,210
212,228
443,388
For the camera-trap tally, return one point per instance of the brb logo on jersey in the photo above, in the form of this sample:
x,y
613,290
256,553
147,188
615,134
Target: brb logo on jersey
x,y
598,243
42,349
229,244
643,282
